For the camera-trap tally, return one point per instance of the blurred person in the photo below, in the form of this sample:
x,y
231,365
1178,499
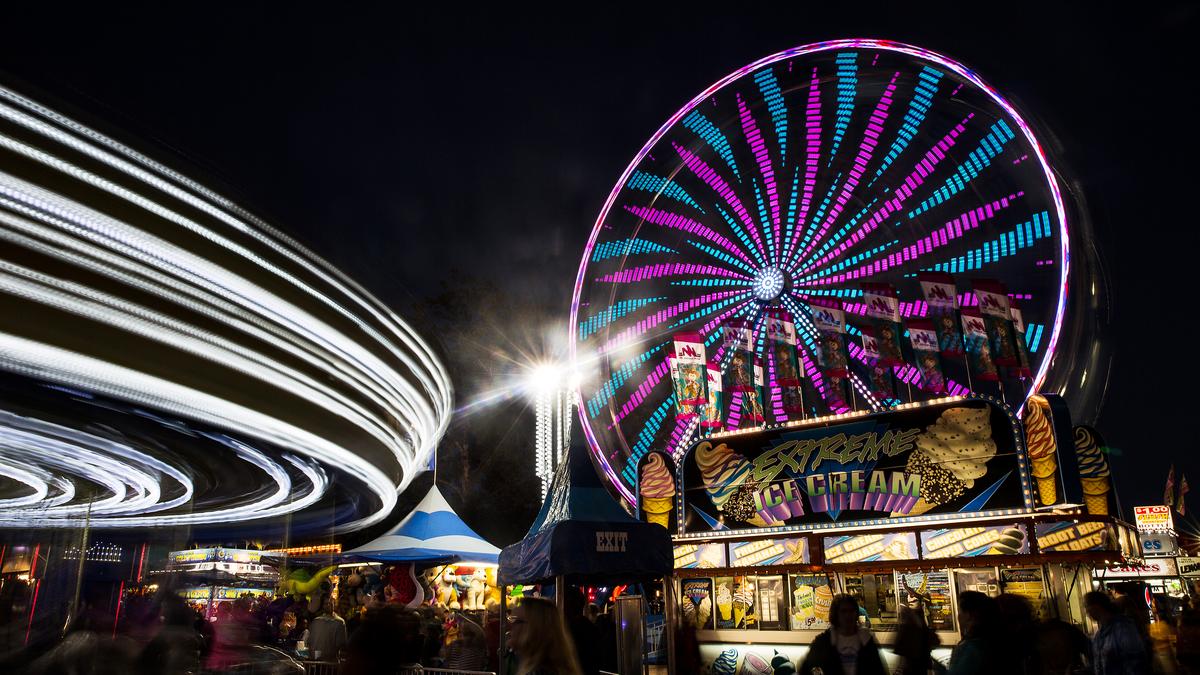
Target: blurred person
x,y
606,634
1187,637
176,646
845,648
981,651
584,633
592,612
468,648
491,632
914,642
326,633
540,640
1017,629
388,640
1117,647
1061,648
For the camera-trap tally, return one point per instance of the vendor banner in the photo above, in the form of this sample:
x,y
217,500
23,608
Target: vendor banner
x,y
1022,370
789,370
830,322
739,343
1072,536
972,542
941,296
924,342
995,309
713,415
764,552
752,407
691,365
955,456
883,308
684,411
879,375
893,546
978,345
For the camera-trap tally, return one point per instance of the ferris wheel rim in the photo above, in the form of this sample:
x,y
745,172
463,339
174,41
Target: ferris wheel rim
x,y
803,50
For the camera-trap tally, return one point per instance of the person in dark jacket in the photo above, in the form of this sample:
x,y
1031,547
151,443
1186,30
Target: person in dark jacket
x,y
982,650
914,642
1118,647
844,649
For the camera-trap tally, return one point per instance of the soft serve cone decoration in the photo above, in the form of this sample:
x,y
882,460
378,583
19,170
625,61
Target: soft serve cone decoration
x,y
950,455
1093,471
658,491
726,475
1043,449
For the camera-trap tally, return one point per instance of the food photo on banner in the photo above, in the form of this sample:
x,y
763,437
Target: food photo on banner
x,y
958,456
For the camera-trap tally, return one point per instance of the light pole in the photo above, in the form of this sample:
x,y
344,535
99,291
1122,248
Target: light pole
x,y
553,390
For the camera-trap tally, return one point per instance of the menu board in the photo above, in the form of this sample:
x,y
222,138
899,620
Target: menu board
x,y
762,552
871,547
696,603
970,542
772,603
956,456
928,592
689,556
1072,536
1026,582
811,597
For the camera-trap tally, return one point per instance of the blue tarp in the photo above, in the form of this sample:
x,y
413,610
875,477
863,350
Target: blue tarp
x,y
582,534
432,533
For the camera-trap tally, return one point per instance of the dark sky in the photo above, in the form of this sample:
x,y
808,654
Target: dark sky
x,y
424,153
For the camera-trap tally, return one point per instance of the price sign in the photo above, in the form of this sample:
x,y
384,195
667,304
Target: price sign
x,y
1153,518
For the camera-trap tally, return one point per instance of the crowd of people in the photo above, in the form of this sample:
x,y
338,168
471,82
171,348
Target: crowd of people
x,y
1000,635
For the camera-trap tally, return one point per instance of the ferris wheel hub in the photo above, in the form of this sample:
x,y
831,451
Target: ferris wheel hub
x,y
769,284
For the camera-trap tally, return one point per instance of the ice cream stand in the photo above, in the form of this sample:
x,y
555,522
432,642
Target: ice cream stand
x,y
904,507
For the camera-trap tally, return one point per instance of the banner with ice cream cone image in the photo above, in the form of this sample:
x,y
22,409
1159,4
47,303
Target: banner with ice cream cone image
x,y
656,490
950,456
1093,470
1042,447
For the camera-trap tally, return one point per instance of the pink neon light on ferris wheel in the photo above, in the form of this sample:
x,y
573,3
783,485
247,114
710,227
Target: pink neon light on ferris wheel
x,y
808,263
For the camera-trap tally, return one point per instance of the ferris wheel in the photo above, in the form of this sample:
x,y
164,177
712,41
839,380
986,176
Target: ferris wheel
x,y
795,184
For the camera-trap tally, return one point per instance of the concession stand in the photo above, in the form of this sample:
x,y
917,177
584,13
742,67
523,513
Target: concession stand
x,y
906,507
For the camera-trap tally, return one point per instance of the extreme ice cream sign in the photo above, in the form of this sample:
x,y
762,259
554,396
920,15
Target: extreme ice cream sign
x,y
949,456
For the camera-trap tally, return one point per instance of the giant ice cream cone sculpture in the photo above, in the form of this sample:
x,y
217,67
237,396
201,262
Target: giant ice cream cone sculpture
x,y
950,455
658,491
725,473
1093,471
1043,450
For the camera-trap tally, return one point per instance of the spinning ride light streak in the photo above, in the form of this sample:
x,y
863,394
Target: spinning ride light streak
x,y
797,179
124,284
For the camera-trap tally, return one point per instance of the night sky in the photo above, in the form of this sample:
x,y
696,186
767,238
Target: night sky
x,y
454,164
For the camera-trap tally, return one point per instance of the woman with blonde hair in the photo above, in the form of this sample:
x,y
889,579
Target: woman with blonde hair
x,y
540,640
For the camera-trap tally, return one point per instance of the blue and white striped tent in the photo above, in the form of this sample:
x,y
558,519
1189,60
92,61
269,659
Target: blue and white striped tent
x,y
432,533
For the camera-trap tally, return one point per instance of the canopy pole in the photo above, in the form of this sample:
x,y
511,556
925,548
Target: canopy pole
x,y
669,617
501,661
560,592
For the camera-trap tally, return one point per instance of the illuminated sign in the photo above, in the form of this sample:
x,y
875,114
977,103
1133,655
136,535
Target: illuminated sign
x,y
700,555
1154,544
968,542
1071,536
1153,518
306,550
760,552
952,456
871,548
1188,566
1163,567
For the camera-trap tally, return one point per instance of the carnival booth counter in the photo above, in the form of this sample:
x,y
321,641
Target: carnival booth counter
x,y
905,507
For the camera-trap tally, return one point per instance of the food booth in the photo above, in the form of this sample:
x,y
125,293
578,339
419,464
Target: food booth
x,y
905,507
